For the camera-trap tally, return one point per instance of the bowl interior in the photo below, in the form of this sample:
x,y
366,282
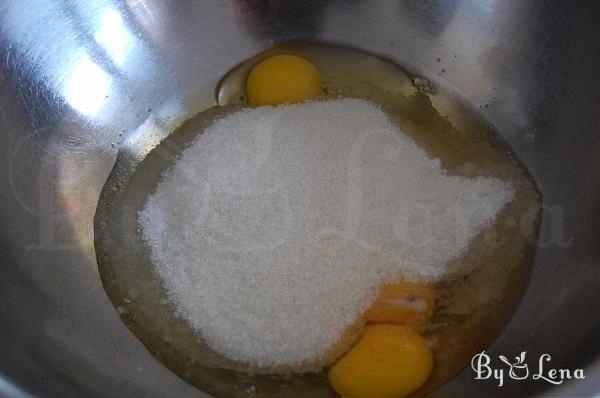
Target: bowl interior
x,y
80,79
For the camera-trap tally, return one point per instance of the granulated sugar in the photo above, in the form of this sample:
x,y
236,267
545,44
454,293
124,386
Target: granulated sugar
x,y
275,228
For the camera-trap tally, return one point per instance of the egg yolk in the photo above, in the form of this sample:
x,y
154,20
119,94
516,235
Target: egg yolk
x,y
283,79
390,361
403,303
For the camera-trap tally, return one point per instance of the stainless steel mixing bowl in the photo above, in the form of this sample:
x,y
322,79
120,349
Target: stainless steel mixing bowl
x,y
77,78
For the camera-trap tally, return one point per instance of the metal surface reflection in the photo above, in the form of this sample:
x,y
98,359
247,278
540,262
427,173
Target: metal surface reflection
x,y
114,37
77,78
87,87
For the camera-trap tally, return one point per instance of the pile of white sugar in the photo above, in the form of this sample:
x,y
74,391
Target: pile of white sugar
x,y
275,228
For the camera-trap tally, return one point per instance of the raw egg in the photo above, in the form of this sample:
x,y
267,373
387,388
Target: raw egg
x,y
390,361
283,79
403,303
